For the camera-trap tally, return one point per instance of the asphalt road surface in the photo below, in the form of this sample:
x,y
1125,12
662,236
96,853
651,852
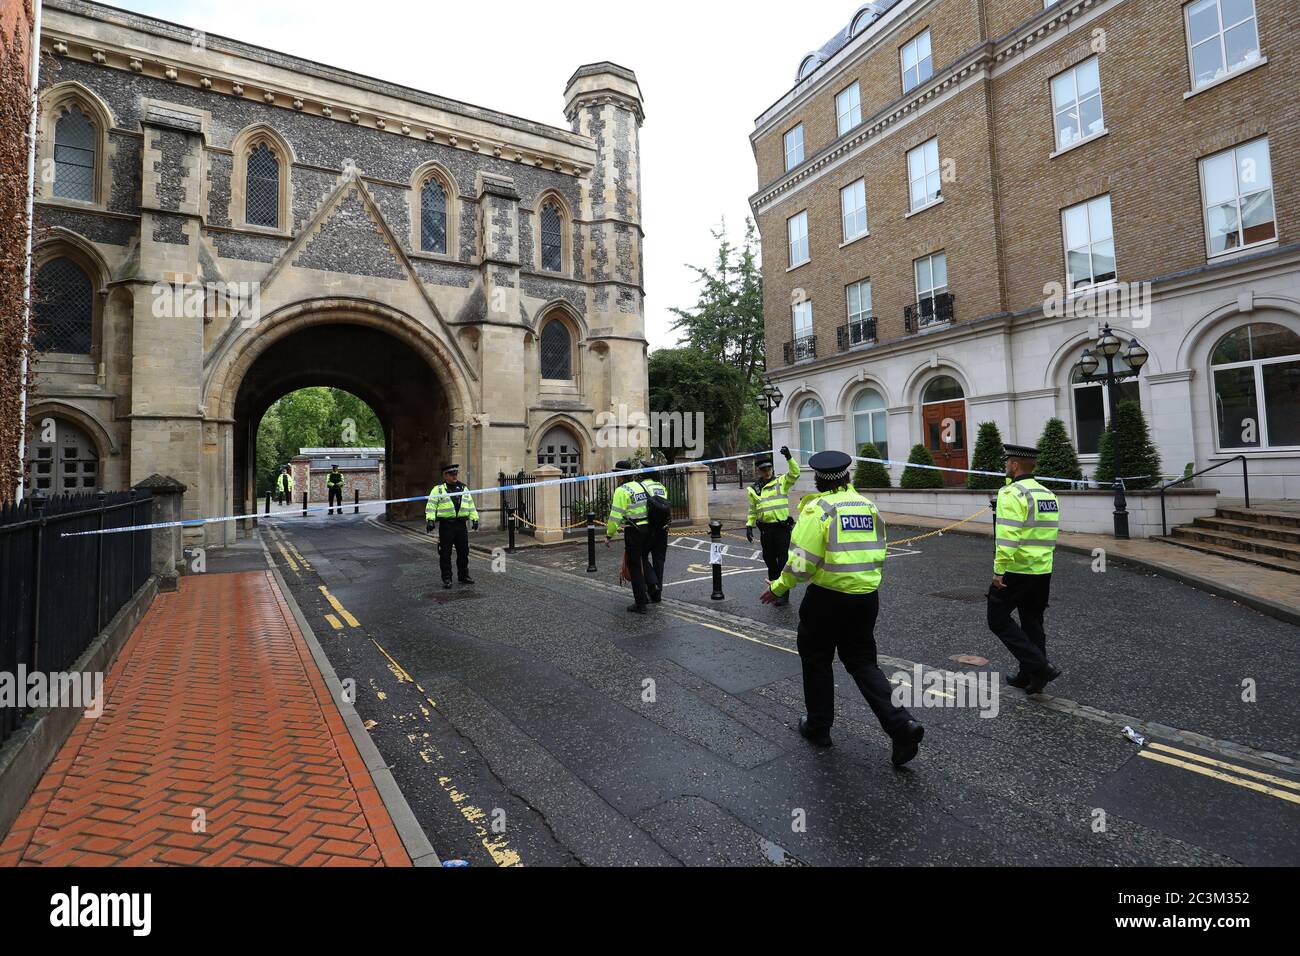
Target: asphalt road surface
x,y
530,720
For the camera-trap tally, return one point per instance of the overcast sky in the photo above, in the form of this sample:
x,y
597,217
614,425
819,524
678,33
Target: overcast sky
x,y
706,69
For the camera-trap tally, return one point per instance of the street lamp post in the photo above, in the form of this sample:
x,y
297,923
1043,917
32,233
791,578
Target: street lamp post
x,y
772,398
1108,347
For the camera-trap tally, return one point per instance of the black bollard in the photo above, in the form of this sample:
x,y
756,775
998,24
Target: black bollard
x,y
591,542
510,527
268,502
713,473
356,501
304,504
715,544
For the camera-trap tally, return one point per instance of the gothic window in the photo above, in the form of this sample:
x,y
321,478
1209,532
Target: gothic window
x,y
75,145
557,351
433,217
262,188
552,238
64,308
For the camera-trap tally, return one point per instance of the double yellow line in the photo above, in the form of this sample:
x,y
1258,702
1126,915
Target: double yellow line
x,y
1209,767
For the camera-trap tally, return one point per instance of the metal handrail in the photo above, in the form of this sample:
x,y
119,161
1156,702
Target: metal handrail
x,y
1245,481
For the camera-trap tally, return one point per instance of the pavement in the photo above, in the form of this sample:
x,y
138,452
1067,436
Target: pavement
x,y
529,720
219,745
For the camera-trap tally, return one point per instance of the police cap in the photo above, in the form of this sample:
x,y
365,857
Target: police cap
x,y
830,465
624,464
1020,451
448,469
763,463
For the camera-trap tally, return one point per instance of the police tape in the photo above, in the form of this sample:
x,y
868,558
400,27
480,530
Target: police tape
x,y
494,489
971,471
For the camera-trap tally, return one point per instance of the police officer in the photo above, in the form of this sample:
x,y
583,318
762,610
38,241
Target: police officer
x,y
1028,519
284,485
334,485
451,507
628,510
769,509
658,539
838,546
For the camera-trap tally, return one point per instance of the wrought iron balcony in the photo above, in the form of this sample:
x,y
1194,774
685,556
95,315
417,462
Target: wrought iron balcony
x,y
862,332
801,349
934,311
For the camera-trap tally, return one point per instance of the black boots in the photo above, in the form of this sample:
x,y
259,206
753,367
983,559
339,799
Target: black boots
x,y
1041,679
822,739
907,742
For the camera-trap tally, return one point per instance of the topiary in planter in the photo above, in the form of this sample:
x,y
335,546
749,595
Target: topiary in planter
x,y
989,456
870,474
920,478
1056,457
1139,456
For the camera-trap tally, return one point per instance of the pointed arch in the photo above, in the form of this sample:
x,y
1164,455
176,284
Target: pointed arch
x,y
73,141
261,184
70,285
435,211
552,234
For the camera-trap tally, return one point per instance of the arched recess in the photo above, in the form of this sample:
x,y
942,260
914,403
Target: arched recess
x,y
922,374
436,173
849,391
543,233
1215,323
538,439
563,316
1056,371
56,102
250,141
60,243
94,426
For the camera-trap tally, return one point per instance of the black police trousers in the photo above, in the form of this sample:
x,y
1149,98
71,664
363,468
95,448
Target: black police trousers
x,y
638,544
658,558
452,532
1028,594
336,495
831,621
775,540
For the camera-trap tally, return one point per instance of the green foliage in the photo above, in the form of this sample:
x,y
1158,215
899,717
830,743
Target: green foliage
x,y
599,505
312,418
989,456
870,474
1138,456
687,381
920,478
1056,457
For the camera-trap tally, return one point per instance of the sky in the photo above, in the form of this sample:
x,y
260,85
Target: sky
x,y
706,70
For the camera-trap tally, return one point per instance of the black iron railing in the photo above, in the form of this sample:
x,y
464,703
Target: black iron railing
x,y
1245,481
57,593
862,332
801,349
523,502
929,311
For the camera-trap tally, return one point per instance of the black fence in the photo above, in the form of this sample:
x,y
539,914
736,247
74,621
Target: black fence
x,y
523,501
579,499
57,593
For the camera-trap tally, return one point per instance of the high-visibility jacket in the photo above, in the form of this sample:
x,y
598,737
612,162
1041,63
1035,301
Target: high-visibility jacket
x,y
628,506
771,503
839,543
334,479
444,504
1028,520
285,482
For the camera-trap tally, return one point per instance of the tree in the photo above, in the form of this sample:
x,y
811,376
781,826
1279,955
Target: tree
x,y
1056,457
989,456
920,478
726,327
685,380
312,418
870,474
352,423
1139,458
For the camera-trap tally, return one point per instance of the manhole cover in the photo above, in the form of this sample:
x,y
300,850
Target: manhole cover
x,y
969,660
965,595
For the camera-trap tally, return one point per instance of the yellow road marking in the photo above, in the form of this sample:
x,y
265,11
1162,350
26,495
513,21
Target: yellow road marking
x,y
293,565
334,622
1206,771
343,612
1257,774
398,670
743,637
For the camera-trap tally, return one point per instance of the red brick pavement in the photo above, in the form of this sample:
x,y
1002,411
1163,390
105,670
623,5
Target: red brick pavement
x,y
214,705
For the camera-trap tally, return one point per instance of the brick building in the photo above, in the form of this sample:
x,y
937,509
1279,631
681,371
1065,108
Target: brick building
x,y
223,223
362,470
956,194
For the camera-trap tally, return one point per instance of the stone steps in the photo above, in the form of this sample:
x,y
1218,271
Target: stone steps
x,y
1270,539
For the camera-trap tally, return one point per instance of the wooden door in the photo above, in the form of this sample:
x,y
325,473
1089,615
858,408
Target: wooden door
x,y
945,436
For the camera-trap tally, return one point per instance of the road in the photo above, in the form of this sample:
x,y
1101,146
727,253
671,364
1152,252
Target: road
x,y
529,720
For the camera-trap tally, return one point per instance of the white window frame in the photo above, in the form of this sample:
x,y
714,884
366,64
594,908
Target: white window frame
x,y
1240,198
801,310
849,216
812,422
1059,108
933,291
798,242
861,316
1083,289
1223,50
846,118
791,160
914,44
869,414
1258,366
926,174
1105,410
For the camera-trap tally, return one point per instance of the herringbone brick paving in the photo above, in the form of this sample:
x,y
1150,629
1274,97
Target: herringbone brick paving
x,y
218,746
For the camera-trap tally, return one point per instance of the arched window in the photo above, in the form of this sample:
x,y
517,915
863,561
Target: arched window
x,y
943,388
262,188
433,217
552,237
869,426
1256,373
812,429
64,308
560,449
557,351
863,19
75,145
64,461
1091,410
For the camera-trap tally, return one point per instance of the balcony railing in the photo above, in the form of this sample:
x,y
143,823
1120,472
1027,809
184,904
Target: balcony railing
x,y
801,349
861,332
935,311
